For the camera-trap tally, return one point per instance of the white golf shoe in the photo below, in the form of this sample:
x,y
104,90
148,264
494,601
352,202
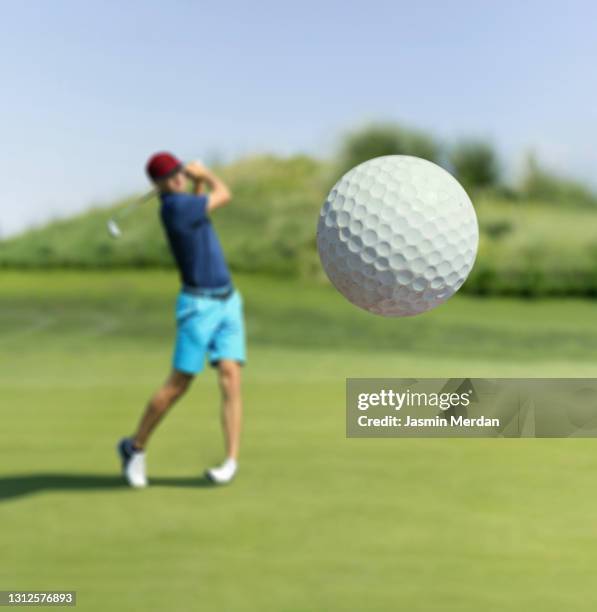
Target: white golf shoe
x,y
133,463
224,473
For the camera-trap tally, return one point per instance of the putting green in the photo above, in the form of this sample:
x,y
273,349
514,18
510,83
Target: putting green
x,y
314,521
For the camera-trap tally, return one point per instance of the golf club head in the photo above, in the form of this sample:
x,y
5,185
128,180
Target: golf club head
x,y
113,229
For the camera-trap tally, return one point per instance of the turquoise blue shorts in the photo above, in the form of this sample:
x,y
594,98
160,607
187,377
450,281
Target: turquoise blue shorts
x,y
209,328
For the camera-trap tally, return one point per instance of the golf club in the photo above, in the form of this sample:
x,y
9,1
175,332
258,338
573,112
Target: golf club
x,y
112,224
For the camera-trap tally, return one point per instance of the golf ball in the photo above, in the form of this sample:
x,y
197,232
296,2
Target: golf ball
x,y
397,235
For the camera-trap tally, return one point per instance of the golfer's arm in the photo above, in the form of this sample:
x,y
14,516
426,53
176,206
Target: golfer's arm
x,y
219,194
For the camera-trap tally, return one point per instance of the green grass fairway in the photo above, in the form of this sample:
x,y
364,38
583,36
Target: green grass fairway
x,y
315,522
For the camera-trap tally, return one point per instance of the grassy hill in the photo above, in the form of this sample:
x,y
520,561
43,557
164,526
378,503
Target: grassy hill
x,y
270,226
528,247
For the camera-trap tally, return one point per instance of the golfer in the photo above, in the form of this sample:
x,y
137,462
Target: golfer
x,y
209,315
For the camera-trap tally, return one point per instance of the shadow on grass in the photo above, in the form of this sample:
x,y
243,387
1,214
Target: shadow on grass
x,y
28,484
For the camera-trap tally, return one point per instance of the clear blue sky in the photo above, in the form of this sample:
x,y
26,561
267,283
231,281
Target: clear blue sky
x,y
91,88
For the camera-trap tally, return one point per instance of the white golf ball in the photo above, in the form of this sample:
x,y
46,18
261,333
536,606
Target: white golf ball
x,y
397,235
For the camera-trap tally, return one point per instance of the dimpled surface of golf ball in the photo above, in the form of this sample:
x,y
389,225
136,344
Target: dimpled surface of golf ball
x,y
397,235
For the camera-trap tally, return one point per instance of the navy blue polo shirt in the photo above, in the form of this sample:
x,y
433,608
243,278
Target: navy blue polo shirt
x,y
193,241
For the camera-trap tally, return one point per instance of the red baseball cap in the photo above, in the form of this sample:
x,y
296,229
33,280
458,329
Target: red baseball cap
x,y
162,165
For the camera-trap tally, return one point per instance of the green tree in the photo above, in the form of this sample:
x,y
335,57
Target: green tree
x,y
475,164
386,139
540,184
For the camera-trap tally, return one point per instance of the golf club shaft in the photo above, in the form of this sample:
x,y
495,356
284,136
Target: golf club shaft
x,y
124,212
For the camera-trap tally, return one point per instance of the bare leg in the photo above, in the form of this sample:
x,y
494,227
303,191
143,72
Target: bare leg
x,y
163,399
230,378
